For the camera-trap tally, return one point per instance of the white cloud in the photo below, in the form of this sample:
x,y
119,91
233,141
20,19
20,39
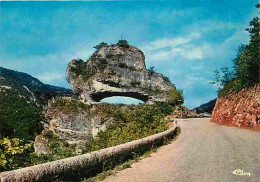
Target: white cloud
x,y
166,42
183,47
184,52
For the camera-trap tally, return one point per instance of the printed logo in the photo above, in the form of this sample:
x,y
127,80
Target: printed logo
x,y
241,172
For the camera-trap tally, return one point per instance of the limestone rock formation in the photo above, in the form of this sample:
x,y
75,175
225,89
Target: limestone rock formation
x,y
114,70
77,123
240,109
74,121
117,71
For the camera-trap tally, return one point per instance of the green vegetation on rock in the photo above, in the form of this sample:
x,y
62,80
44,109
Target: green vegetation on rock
x,y
246,70
175,97
133,124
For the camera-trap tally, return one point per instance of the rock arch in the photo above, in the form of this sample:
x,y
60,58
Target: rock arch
x,y
117,71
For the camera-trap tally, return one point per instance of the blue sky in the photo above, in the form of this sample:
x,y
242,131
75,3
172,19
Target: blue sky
x,y
184,40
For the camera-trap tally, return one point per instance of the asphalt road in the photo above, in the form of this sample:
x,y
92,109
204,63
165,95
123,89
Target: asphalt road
x,y
204,151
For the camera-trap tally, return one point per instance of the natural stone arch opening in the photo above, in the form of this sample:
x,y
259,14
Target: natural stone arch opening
x,y
122,100
98,96
117,71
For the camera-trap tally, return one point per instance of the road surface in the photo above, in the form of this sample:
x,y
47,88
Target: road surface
x,y
204,151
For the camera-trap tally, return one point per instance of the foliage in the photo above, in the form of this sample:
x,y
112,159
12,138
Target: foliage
x,y
14,153
175,97
246,71
22,99
69,105
123,43
19,118
100,45
134,124
84,71
131,123
223,77
59,150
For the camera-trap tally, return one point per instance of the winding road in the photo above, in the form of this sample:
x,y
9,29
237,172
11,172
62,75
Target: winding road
x,y
204,151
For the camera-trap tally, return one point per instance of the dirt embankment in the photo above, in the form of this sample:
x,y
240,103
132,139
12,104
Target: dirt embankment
x,y
240,109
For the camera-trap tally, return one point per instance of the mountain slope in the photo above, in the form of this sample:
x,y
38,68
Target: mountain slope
x,y
22,102
207,107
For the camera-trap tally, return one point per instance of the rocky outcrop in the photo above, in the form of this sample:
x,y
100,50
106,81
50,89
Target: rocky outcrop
x,y
77,123
240,109
114,70
117,71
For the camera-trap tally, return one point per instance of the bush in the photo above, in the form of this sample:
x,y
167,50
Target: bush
x,y
133,124
175,97
69,106
14,153
123,43
100,45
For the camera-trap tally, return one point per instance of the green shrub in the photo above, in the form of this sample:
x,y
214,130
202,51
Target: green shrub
x,y
100,45
123,43
132,124
14,153
175,97
69,105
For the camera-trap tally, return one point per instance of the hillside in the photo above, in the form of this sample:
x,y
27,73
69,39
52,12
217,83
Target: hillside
x,y
207,107
23,99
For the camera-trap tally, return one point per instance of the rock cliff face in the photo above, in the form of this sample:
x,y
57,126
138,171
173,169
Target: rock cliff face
x,y
240,109
117,71
74,121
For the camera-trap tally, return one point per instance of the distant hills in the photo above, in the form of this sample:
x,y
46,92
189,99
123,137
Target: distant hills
x,y
207,107
22,102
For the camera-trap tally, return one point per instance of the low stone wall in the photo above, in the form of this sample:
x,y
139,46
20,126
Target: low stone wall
x,y
81,166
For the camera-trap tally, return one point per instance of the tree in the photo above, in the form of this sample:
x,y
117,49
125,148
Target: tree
x,y
123,43
246,70
100,45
